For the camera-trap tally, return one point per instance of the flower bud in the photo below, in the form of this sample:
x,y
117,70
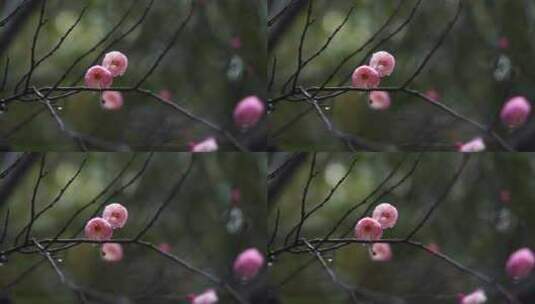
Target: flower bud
x,y
476,297
248,264
248,112
475,145
515,112
207,297
520,263
207,145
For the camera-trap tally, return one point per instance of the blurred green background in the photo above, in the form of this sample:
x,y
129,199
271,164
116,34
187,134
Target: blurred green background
x,y
470,72
217,60
473,225
197,225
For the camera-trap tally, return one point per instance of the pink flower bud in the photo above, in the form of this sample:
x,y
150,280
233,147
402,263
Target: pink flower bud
x,y
386,215
235,42
116,62
383,62
433,94
515,112
112,100
248,112
111,252
165,95
207,145
520,263
116,214
475,145
379,100
98,229
505,196
98,77
503,42
235,196
368,229
207,297
476,297
165,247
365,77
381,252
248,264
433,247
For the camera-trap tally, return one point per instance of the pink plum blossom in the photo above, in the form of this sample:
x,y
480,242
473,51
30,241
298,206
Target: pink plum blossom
x,y
386,215
383,62
365,77
116,214
98,77
207,145
379,100
112,100
368,229
520,263
207,297
381,252
476,297
248,112
248,264
116,62
475,145
515,112
98,229
111,252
